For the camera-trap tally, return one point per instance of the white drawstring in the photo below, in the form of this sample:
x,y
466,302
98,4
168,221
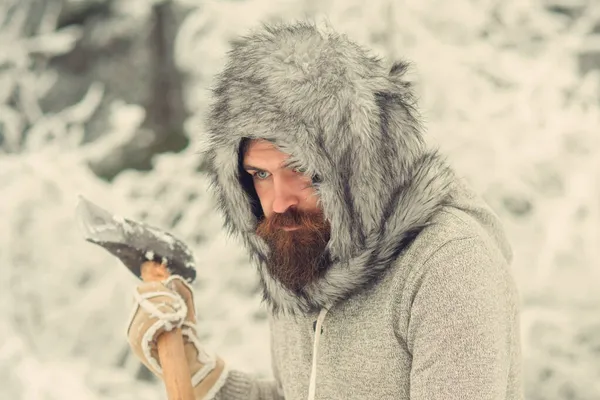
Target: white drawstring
x,y
313,372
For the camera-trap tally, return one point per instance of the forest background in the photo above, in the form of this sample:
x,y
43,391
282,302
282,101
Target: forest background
x,y
106,98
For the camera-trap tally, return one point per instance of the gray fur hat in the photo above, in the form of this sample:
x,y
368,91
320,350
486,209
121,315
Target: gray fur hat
x,y
347,121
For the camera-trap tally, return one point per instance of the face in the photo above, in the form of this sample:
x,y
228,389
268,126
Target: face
x,y
294,226
278,188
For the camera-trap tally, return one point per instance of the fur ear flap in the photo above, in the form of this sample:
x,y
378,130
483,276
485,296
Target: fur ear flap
x,y
399,68
399,79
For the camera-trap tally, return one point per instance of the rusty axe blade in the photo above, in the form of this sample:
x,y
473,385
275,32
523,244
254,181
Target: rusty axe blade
x,y
134,242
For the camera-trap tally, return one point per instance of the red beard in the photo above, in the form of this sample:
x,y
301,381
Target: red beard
x,y
297,257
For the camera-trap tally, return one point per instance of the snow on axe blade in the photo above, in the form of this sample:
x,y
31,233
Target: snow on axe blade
x,y
134,243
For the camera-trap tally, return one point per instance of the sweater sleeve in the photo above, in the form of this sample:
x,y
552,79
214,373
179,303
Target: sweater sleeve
x,y
243,386
462,325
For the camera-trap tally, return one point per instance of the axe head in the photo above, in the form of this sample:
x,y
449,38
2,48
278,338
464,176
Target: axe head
x,y
134,242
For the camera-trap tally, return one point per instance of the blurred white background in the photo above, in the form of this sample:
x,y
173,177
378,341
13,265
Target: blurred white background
x,y
106,98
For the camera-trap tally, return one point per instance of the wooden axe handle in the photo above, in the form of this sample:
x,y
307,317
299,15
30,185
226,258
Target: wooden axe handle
x,y
171,353
176,371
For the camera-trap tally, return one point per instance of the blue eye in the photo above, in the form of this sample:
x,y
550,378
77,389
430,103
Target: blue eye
x,y
259,176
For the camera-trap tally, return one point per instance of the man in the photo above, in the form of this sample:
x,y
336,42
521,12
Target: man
x,y
385,276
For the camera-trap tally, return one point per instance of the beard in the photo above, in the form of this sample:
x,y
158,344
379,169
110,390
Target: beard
x,y
297,257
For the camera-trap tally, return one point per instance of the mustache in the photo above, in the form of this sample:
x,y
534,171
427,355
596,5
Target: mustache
x,y
311,220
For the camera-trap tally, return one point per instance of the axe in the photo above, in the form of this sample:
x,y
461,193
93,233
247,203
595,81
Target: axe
x,y
152,255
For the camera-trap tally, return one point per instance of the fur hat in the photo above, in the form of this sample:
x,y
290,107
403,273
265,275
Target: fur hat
x,y
347,121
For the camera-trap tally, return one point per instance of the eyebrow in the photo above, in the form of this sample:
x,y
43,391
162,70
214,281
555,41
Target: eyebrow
x,y
252,167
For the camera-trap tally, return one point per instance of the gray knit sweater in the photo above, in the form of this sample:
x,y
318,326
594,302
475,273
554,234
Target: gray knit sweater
x,y
419,302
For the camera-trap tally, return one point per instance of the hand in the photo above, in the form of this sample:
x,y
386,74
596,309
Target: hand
x,y
162,306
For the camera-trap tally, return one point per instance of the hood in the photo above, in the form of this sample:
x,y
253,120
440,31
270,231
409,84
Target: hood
x,y
347,121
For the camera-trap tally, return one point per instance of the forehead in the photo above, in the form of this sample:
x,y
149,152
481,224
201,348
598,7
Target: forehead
x,y
259,149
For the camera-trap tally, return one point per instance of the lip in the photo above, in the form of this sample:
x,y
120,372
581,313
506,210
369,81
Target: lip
x,y
290,228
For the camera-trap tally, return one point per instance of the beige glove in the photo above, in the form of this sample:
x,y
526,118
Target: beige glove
x,y
160,307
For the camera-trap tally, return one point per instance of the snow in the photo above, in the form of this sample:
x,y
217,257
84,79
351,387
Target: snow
x,y
162,236
500,92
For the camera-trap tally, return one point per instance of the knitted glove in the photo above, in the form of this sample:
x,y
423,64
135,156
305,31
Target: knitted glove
x,y
165,305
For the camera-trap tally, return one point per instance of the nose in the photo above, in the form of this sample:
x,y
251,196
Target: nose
x,y
285,196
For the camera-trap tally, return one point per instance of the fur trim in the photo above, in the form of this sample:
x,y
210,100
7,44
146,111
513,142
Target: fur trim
x,y
343,118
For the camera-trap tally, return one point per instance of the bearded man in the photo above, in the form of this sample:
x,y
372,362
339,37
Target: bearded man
x,y
385,276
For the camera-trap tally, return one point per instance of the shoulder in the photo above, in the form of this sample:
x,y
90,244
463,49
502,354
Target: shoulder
x,y
464,225
453,261
450,229
456,245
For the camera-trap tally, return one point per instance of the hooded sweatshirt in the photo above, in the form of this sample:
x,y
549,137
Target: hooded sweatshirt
x,y
419,302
